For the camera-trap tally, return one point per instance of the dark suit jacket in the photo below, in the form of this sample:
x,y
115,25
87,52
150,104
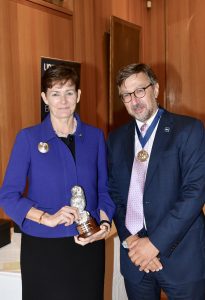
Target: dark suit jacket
x,y
174,195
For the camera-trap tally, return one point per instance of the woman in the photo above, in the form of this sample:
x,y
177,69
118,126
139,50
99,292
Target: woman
x,y
53,157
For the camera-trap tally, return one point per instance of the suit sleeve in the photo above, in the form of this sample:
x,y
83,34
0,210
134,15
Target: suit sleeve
x,y
187,206
120,213
105,203
12,200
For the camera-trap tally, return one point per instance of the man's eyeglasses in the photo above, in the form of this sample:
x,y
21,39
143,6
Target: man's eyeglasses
x,y
138,93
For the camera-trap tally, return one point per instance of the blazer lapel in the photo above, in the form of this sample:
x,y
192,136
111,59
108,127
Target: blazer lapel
x,y
162,137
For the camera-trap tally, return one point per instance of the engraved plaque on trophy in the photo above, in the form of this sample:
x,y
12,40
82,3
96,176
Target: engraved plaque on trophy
x,y
86,225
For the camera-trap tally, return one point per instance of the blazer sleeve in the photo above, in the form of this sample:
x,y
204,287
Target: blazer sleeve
x,y
105,202
12,200
187,206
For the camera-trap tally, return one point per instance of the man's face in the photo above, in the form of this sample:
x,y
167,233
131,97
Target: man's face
x,y
140,108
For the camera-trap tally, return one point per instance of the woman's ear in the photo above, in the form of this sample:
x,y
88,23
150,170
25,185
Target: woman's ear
x,y
43,95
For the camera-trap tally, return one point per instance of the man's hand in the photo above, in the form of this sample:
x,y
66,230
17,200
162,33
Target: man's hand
x,y
131,239
143,253
154,266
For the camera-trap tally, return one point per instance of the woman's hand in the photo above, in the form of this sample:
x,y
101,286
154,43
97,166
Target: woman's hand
x,y
66,215
101,234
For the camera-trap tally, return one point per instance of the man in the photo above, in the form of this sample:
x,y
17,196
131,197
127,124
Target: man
x,y
157,180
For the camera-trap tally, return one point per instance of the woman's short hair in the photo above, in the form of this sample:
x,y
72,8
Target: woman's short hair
x,y
131,69
59,74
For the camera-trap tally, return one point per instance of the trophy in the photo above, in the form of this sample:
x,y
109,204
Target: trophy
x,y
86,225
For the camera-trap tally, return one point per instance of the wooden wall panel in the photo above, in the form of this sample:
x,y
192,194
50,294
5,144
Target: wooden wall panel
x,y
27,31
84,49
154,44
91,22
152,21
185,46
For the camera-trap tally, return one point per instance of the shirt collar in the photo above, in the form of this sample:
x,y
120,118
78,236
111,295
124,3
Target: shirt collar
x,y
47,131
148,122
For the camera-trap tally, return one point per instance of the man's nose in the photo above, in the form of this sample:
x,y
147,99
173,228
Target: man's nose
x,y
134,99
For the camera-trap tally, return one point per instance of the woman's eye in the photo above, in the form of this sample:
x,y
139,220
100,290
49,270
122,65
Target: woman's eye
x,y
70,93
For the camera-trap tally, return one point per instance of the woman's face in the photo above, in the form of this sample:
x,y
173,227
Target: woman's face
x,y
62,100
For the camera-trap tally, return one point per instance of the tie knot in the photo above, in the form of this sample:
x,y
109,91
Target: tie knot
x,y
143,129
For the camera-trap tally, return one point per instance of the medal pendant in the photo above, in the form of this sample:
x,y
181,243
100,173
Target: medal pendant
x,y
142,155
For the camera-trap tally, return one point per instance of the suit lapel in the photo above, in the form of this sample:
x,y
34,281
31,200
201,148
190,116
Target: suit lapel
x,y
162,137
129,143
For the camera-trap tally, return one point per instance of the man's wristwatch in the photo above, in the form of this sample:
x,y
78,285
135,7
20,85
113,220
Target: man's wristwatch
x,y
124,244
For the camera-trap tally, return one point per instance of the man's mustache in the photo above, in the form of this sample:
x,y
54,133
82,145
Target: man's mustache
x,y
137,106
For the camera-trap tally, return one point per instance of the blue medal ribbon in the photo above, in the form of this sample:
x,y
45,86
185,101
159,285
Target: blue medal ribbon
x,y
143,139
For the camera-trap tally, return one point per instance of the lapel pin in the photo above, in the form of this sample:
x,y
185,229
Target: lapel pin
x,y
43,147
166,129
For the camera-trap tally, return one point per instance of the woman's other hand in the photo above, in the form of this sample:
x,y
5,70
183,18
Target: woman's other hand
x,y
101,234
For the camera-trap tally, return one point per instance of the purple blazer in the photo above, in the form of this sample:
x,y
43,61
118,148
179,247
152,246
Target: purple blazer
x,y
51,176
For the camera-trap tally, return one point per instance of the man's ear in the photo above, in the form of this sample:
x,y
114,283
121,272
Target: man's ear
x,y
156,90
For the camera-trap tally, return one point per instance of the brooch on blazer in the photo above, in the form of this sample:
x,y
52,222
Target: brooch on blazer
x,y
43,147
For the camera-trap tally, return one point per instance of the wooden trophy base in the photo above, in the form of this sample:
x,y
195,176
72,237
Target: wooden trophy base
x,y
88,228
